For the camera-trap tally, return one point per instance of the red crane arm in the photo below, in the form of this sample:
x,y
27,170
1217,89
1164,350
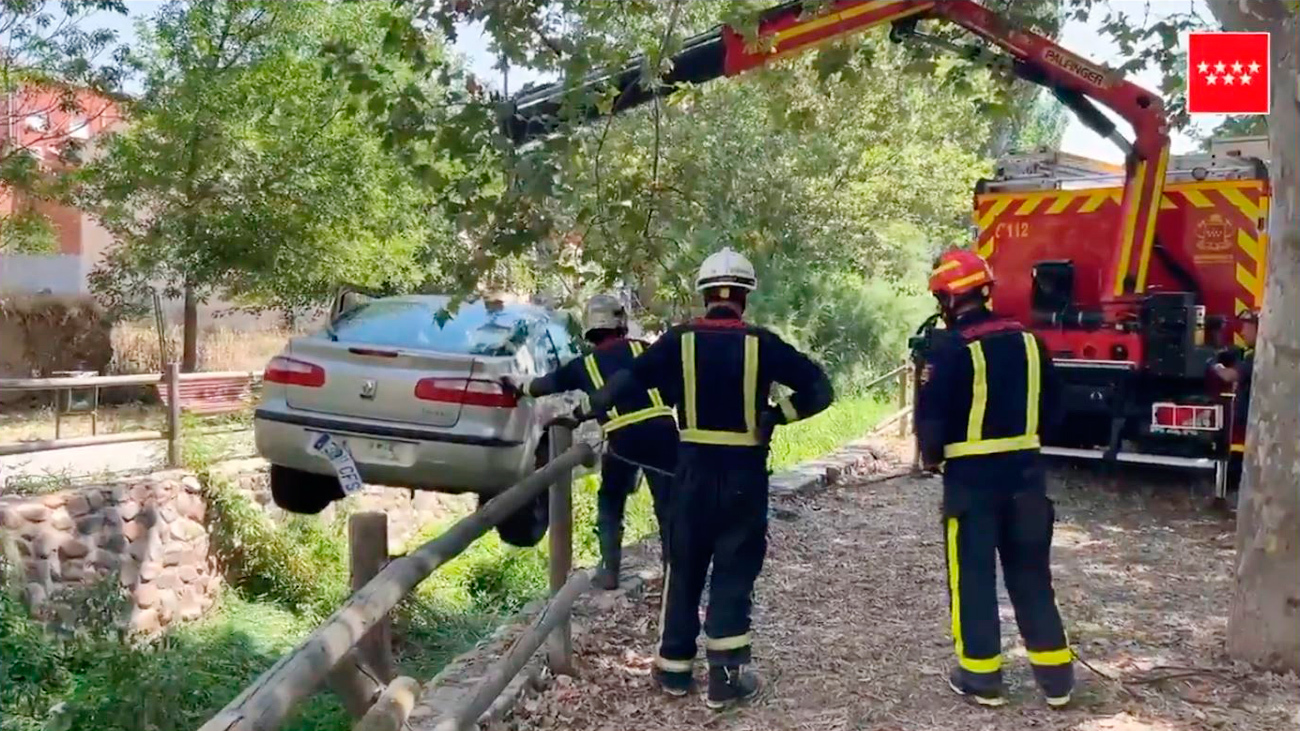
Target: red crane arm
x,y
785,30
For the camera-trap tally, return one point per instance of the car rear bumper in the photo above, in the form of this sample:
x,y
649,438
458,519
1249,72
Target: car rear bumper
x,y
439,460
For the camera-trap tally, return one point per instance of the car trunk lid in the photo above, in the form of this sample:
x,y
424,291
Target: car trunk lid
x,y
395,384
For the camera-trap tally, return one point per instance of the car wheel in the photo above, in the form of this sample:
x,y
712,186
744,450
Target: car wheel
x,y
527,525
302,492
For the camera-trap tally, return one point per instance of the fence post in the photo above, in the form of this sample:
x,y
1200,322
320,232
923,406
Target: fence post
x,y
903,378
173,414
368,548
559,647
914,375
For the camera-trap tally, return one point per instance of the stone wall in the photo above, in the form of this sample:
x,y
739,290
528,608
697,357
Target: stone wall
x,y
146,534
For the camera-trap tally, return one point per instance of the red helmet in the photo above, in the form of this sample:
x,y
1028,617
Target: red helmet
x,y
958,272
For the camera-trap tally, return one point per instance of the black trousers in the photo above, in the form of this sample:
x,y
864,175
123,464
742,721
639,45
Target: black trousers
x,y
981,527
718,517
648,444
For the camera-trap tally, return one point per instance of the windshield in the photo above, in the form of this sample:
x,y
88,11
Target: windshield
x,y
472,330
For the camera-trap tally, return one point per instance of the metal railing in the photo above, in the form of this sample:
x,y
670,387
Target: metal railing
x,y
64,387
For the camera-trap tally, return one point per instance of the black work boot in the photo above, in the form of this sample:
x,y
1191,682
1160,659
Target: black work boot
x,y
731,684
984,689
674,684
611,555
1057,683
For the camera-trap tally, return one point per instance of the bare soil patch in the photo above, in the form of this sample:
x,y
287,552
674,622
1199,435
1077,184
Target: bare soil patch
x,y
851,625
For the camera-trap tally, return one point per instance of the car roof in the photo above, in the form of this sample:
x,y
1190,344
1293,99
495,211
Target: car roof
x,y
439,301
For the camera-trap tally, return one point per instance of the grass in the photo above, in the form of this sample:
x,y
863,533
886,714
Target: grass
x,y
284,581
135,347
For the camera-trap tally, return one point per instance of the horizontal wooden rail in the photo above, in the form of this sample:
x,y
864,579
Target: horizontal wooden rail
x,y
142,379
881,379
45,445
556,611
393,708
264,705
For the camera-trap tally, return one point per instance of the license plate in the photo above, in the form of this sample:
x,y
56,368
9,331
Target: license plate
x,y
340,458
379,451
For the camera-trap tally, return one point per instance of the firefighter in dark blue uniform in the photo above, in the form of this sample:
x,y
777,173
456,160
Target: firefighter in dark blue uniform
x,y
1235,366
718,372
988,390
639,426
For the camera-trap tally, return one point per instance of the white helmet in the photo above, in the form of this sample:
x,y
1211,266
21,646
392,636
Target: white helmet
x,y
604,312
726,268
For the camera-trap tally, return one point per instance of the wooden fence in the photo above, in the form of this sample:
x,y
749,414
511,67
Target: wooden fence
x,y
169,384
350,651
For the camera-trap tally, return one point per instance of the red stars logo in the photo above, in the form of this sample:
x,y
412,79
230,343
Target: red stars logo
x,y
1227,73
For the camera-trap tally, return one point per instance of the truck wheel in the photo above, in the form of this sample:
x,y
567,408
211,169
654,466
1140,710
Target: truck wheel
x,y
305,493
528,524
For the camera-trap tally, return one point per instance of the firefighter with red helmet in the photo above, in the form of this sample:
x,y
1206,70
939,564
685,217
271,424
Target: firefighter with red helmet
x,y
639,428
988,390
718,372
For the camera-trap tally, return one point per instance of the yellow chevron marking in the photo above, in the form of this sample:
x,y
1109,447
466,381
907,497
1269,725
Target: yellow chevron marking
x,y
1238,340
1094,201
1031,202
1248,244
1166,202
986,249
1240,307
1243,203
1248,280
993,212
1197,198
1062,201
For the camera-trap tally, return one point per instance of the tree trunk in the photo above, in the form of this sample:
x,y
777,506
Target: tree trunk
x,y
190,332
1264,626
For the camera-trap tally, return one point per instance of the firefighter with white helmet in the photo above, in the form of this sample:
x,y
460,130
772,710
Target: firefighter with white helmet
x,y
988,391
639,427
717,371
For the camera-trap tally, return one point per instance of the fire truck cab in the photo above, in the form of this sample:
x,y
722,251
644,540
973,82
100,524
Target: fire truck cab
x,y
1137,383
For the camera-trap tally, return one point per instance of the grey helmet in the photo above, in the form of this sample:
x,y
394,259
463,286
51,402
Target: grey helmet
x,y
604,312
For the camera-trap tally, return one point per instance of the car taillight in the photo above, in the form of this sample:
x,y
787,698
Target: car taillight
x,y
471,392
294,372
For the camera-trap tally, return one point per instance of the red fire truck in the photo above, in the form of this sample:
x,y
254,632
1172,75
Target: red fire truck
x,y
1131,274
1135,369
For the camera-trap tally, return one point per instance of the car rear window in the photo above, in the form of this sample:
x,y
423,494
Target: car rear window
x,y
472,330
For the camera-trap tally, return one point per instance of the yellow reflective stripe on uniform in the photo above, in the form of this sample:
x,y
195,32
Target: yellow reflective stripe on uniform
x,y
724,438
1033,378
751,384
1238,448
688,378
673,666
991,446
987,665
787,409
690,431
593,372
727,643
1051,657
979,396
636,417
656,399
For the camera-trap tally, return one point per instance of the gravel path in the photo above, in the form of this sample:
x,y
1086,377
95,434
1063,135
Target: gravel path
x,y
851,626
